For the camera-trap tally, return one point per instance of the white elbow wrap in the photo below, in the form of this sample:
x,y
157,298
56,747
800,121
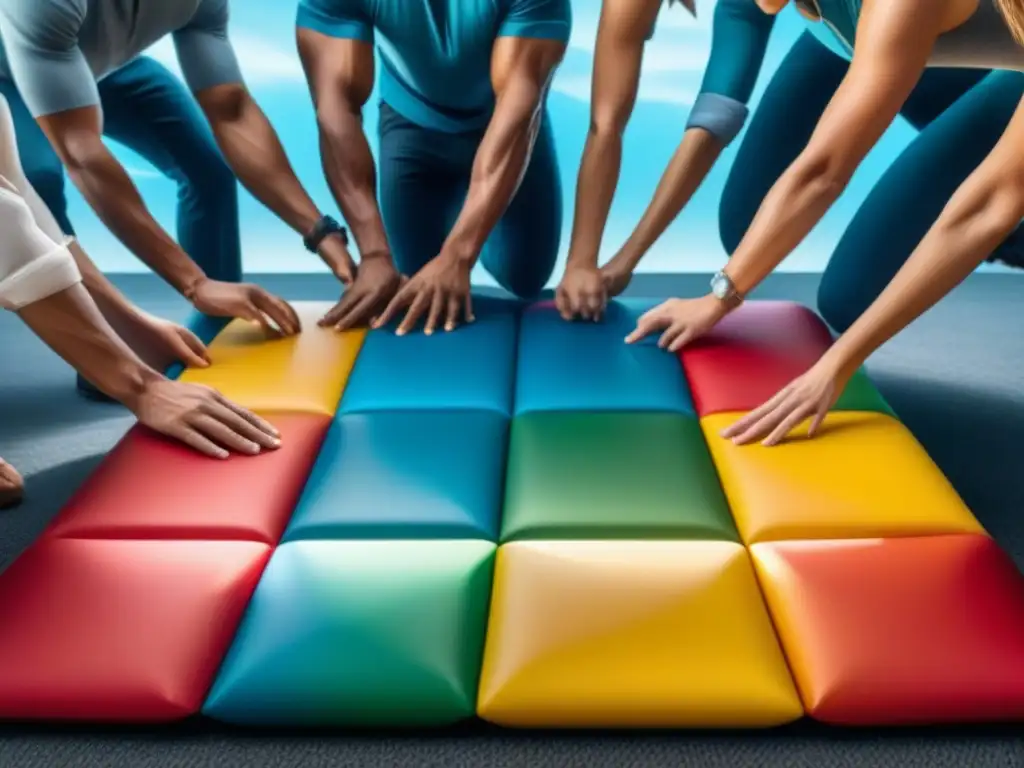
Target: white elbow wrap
x,y
32,266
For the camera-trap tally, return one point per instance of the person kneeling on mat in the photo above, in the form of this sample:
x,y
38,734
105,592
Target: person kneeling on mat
x,y
467,158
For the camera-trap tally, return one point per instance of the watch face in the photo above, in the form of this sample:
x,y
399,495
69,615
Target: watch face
x,y
720,286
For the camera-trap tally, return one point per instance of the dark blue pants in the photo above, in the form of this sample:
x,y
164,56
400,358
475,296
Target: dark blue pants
x,y
424,176
149,110
960,115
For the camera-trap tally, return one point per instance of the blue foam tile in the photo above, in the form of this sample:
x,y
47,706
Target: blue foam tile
x,y
585,366
406,475
470,368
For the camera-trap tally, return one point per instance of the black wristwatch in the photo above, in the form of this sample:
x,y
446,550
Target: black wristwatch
x,y
324,228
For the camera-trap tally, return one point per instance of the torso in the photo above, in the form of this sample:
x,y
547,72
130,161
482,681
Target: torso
x,y
438,52
113,32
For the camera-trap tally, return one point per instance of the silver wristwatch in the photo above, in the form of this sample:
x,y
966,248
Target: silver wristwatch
x,y
722,288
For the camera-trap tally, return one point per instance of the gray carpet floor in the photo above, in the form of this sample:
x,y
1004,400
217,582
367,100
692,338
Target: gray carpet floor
x,y
956,378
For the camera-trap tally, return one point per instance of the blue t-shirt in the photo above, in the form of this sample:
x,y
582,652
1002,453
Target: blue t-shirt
x,y
436,56
56,50
739,37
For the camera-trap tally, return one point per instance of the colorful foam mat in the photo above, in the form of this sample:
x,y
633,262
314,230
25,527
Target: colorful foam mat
x,y
525,521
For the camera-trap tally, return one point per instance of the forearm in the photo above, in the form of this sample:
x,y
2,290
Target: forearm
x,y
976,220
108,189
797,202
71,325
690,165
351,173
499,166
595,189
255,154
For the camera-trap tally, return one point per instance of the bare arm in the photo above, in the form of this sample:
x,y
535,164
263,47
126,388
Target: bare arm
x,y
341,73
76,135
894,41
621,34
521,71
255,154
983,212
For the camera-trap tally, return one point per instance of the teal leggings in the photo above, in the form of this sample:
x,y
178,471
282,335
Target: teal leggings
x,y
960,115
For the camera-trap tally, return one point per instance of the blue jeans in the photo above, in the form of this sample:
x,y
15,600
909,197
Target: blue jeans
x,y
424,177
147,109
960,115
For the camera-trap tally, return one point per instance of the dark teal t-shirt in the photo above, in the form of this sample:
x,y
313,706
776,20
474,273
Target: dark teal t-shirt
x,y
436,56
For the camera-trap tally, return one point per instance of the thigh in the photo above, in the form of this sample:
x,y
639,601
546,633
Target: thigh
x,y
521,251
911,194
936,91
149,110
779,129
38,160
418,195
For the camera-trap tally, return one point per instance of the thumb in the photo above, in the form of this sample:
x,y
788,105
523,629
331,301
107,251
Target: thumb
x,y
194,346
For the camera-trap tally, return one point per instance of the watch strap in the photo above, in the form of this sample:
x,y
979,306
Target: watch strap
x,y
323,229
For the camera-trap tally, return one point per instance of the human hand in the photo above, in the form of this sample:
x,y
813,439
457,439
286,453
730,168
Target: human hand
x,y
160,343
581,293
680,320
811,395
440,289
201,418
246,301
375,283
12,486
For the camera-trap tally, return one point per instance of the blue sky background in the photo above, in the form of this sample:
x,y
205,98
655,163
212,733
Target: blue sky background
x,y
263,34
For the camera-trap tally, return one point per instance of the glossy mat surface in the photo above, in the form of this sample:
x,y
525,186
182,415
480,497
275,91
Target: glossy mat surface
x,y
526,521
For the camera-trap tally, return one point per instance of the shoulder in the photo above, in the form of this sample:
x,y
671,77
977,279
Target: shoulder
x,y
55,22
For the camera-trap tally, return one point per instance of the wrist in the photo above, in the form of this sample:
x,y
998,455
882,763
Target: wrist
x,y
191,288
131,383
841,360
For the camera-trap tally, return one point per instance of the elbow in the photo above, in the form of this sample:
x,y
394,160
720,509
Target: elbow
x,y
332,115
609,123
80,154
823,175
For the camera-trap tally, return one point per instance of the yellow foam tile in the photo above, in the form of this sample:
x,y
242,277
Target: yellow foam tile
x,y
303,373
632,634
864,475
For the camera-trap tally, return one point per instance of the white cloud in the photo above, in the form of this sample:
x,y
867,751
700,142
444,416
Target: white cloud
x,y
262,62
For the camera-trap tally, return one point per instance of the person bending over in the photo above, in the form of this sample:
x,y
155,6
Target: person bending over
x,y
72,73
466,157
41,279
895,41
959,114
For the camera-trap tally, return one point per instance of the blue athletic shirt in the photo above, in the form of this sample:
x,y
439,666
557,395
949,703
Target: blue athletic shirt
x,y
435,55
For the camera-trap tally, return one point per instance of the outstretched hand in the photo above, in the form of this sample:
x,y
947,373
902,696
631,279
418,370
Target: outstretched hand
x,y
680,321
248,302
375,284
202,418
440,291
809,396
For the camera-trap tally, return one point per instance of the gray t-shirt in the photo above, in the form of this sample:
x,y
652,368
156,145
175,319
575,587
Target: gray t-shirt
x,y
56,50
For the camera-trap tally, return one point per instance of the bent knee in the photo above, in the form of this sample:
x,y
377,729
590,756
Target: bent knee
x,y
210,177
838,306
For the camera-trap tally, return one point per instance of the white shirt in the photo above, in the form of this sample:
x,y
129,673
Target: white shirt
x,y
35,262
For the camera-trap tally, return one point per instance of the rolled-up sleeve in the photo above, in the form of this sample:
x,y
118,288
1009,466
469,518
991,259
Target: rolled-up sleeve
x,y
204,51
41,45
32,266
739,38
344,19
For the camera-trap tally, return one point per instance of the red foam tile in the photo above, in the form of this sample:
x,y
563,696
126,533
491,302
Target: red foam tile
x,y
150,487
752,354
120,631
914,631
